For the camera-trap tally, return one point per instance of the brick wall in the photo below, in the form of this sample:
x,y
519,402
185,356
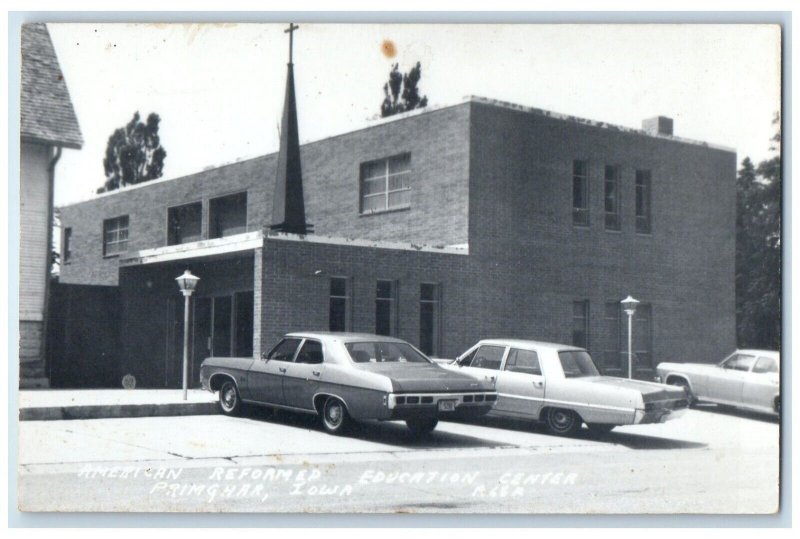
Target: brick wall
x,y
438,144
296,289
521,230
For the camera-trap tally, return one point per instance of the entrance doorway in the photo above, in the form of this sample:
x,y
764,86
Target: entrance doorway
x,y
221,326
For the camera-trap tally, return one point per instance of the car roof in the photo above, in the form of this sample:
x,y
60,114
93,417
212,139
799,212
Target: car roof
x,y
766,353
343,336
523,343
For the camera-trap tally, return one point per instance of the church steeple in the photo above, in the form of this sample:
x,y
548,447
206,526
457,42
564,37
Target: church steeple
x,y
288,206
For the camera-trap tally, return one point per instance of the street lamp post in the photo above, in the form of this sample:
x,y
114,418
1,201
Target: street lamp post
x,y
629,305
186,283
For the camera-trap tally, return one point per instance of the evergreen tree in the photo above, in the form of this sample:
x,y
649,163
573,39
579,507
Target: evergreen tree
x,y
134,154
401,92
758,251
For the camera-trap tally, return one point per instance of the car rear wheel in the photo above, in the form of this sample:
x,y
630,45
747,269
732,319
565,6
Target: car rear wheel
x,y
421,426
562,422
335,419
600,428
680,382
229,400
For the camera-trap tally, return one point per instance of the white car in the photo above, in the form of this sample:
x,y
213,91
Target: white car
x,y
560,385
747,379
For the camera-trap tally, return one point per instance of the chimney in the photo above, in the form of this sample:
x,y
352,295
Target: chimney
x,y
660,125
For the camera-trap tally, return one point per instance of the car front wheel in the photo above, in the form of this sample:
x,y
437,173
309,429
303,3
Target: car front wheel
x,y
334,416
421,426
562,422
229,399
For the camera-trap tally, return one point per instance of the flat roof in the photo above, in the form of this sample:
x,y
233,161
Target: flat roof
x,y
375,122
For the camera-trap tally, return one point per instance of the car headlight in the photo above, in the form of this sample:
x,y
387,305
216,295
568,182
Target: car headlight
x,y
657,378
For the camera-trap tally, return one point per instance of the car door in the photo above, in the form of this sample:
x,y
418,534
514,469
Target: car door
x,y
761,383
302,378
727,384
484,362
520,384
265,378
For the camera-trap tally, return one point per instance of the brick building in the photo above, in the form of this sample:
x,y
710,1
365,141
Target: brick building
x,y
441,226
47,125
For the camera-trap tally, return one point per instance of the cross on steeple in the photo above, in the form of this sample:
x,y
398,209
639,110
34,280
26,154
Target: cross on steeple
x,y
290,31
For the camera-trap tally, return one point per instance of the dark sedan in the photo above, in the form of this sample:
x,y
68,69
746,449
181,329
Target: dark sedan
x,y
346,376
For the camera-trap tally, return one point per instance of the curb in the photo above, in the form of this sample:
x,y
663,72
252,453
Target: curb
x,y
56,413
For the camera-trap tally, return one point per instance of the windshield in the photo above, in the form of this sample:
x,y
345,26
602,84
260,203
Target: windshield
x,y
384,352
577,364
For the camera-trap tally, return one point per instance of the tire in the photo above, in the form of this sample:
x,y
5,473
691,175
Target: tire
x,y
680,382
335,418
421,426
562,422
229,400
600,429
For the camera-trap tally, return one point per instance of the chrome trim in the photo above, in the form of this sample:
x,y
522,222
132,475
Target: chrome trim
x,y
584,405
391,403
282,406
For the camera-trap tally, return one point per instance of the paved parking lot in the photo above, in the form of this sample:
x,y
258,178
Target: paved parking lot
x,y
706,461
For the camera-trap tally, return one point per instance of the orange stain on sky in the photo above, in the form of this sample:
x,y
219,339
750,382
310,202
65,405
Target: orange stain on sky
x,y
388,48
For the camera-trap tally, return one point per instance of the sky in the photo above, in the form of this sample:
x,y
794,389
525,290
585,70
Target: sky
x,y
219,88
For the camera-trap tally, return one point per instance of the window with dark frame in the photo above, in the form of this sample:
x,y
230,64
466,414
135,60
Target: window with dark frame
x,y
429,312
185,223
385,184
580,193
227,215
612,335
385,308
580,323
115,235
611,197
338,318
643,201
643,336
66,245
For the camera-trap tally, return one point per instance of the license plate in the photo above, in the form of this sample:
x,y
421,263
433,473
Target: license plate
x,y
447,406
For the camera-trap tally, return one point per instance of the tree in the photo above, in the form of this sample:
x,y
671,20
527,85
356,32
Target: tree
x,y
134,154
401,92
758,251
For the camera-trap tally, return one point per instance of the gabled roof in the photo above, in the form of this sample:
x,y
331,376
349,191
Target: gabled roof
x,y
45,106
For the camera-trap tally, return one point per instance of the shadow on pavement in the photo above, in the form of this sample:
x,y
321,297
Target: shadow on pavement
x,y
639,441
385,432
631,441
736,412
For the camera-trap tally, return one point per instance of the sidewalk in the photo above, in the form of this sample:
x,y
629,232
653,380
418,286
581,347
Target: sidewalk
x,y
54,404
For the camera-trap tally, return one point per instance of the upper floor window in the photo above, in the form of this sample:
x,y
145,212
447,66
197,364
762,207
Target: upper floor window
x,y
115,235
66,245
185,223
580,193
611,197
643,207
227,215
385,184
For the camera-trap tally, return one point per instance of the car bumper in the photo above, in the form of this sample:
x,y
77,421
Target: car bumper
x,y
442,405
658,415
